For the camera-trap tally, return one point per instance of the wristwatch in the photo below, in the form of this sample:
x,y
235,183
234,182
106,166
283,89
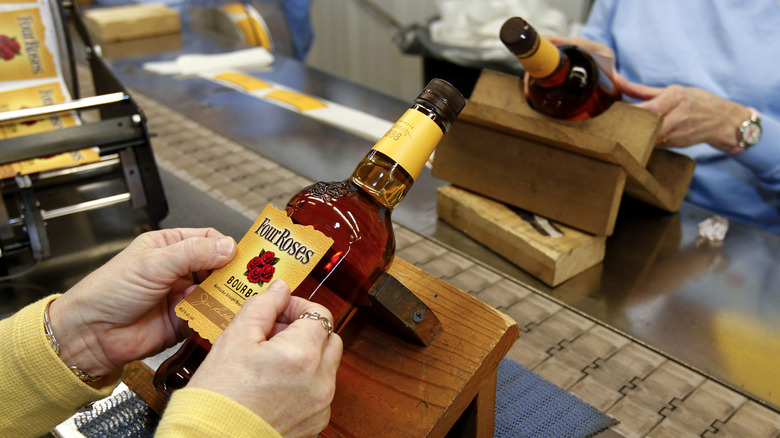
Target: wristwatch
x,y
748,133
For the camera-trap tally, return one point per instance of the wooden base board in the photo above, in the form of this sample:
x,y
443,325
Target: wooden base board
x,y
579,191
552,260
429,388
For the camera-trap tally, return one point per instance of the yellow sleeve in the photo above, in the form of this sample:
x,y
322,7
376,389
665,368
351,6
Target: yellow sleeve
x,y
196,413
38,391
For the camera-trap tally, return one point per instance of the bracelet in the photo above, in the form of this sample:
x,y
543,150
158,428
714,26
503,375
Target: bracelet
x,y
84,377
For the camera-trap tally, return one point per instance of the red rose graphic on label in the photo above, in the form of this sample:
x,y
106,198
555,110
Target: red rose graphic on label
x,y
261,269
267,258
256,262
9,47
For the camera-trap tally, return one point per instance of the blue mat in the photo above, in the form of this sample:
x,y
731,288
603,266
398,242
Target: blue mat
x,y
528,406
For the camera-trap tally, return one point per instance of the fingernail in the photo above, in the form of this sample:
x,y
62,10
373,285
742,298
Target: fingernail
x,y
225,245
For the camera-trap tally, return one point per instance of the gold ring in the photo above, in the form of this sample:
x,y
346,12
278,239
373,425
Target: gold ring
x,y
316,315
663,139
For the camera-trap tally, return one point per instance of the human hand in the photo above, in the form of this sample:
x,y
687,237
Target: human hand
x,y
690,115
280,367
123,311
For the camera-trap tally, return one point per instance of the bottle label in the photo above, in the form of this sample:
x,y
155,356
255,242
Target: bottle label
x,y
274,248
58,161
34,97
23,48
411,141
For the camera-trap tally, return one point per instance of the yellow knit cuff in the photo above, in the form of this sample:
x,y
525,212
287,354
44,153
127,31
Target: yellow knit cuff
x,y
194,413
30,335
39,388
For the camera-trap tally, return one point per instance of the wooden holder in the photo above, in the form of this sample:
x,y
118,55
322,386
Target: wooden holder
x,y
571,172
401,310
552,258
387,387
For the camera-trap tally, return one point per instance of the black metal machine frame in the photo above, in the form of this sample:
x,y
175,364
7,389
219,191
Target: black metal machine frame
x,y
120,131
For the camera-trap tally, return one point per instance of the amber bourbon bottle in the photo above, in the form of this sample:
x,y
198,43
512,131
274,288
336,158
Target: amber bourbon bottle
x,y
565,82
355,213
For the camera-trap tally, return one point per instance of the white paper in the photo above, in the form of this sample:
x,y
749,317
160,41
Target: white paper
x,y
190,64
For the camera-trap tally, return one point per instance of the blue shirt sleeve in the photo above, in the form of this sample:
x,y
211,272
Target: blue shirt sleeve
x,y
597,27
707,45
299,19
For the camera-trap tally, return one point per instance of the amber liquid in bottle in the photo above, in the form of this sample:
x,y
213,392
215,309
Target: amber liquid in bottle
x,y
362,231
565,81
356,214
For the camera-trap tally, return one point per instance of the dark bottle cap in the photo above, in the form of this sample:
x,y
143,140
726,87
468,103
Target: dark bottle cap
x,y
445,97
519,37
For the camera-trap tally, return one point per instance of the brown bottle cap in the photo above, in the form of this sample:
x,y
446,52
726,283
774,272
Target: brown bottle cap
x,y
445,97
519,37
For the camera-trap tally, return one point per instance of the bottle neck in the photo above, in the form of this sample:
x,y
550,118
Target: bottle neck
x,y
388,171
382,178
543,61
558,76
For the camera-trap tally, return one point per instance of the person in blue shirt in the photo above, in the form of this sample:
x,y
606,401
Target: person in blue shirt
x,y
707,67
298,13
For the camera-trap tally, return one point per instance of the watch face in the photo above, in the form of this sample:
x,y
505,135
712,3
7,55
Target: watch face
x,y
751,134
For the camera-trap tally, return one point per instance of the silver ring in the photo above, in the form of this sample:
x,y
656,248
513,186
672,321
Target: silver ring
x,y
316,315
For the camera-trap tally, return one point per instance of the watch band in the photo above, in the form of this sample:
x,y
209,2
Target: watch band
x,y
754,120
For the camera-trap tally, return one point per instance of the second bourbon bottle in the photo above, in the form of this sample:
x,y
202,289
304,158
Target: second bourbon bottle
x,y
565,82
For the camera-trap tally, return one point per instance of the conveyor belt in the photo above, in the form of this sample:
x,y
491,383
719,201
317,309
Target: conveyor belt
x,y
650,394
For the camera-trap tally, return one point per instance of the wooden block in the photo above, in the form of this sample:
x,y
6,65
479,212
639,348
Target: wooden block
x,y
398,307
388,387
553,260
143,47
138,377
664,182
634,128
122,23
571,172
577,190
624,134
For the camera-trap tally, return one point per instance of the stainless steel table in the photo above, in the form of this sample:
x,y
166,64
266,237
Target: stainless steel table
x,y
715,309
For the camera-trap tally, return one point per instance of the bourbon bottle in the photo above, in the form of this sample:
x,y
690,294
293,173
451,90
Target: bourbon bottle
x,y
356,214
564,82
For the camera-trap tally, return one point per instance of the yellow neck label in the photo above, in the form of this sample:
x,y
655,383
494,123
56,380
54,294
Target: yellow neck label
x,y
274,248
411,141
544,61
